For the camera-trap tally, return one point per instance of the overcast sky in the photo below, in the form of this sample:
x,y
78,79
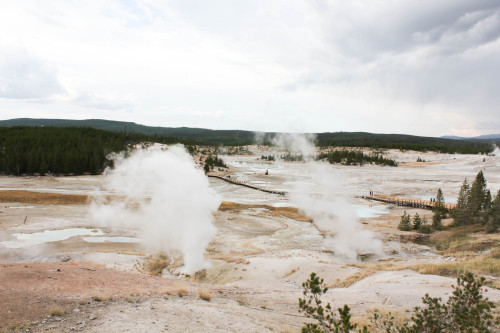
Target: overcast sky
x,y
421,67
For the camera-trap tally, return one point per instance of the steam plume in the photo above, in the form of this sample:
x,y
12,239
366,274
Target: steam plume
x,y
325,198
167,201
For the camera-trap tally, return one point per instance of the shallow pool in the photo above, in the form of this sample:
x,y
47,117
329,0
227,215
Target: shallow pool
x,y
117,239
47,236
370,211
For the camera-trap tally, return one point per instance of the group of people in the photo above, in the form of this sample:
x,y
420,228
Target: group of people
x,y
432,199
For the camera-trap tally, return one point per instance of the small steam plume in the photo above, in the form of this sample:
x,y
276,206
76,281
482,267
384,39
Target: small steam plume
x,y
296,143
166,201
325,198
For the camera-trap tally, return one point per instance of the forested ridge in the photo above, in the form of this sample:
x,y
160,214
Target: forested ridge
x,y
66,150
404,142
239,137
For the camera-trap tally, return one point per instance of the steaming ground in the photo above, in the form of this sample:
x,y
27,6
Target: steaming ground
x,y
258,258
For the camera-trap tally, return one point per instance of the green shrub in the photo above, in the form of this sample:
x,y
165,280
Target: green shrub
x,y
405,223
417,222
425,229
325,317
465,311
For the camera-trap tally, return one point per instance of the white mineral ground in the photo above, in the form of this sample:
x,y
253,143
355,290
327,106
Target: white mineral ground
x,y
258,260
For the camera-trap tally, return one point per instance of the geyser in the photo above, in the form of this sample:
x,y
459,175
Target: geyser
x,y
164,199
326,199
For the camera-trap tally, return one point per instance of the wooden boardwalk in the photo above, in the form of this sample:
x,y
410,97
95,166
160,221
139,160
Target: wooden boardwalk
x,y
416,203
237,182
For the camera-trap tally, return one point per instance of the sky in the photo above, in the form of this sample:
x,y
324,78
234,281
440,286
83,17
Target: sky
x,y
421,67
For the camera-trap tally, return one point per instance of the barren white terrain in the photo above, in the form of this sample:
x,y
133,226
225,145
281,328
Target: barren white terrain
x,y
66,272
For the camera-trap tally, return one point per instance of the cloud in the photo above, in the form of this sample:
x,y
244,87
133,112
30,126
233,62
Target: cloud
x,y
442,54
366,30
300,65
25,76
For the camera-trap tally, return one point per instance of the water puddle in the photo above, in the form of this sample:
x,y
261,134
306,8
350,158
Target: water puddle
x,y
370,211
47,236
116,239
21,207
429,196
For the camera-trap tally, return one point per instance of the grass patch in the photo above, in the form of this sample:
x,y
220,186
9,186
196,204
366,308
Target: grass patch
x,y
205,295
289,212
292,271
42,198
98,298
352,279
200,276
155,265
56,310
482,265
177,290
486,265
181,292
453,237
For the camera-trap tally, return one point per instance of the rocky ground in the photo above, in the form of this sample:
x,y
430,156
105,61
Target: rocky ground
x,y
259,256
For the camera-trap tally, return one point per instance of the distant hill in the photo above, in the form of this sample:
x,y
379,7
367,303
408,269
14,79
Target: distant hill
x,y
487,137
207,136
480,137
240,137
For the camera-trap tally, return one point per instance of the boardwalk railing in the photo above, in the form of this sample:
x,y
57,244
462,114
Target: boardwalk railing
x,y
416,203
237,182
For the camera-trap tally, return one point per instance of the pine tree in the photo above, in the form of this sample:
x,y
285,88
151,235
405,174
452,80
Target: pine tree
x,y
461,214
477,197
492,215
417,222
439,211
487,200
405,222
436,221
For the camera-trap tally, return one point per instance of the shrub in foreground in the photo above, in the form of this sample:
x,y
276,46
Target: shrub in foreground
x,y
465,311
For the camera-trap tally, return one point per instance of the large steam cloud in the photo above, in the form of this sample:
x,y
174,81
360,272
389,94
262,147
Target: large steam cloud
x,y
165,200
325,198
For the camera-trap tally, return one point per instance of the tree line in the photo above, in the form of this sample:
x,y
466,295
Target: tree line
x,y
348,157
203,136
475,205
63,150
403,142
213,161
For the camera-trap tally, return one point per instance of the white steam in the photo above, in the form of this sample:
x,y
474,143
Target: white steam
x,y
165,199
325,198
296,143
496,152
